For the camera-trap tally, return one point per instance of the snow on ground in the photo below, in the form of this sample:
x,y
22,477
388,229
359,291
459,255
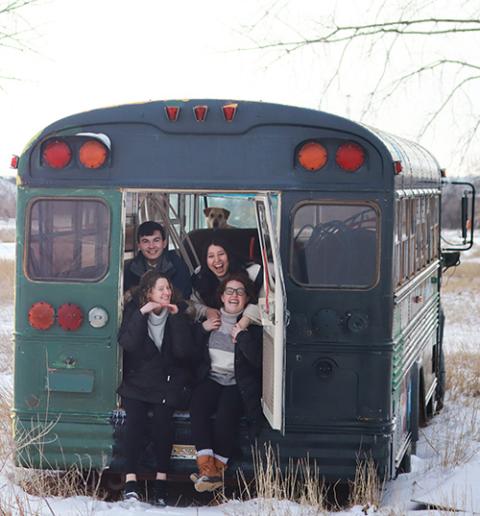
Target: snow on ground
x,y
445,469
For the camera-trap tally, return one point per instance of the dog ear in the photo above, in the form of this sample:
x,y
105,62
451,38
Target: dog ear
x,y
227,213
206,211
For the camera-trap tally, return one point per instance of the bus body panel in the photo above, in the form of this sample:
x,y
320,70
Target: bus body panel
x,y
76,372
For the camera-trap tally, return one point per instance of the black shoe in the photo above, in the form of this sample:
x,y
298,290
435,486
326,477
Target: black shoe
x,y
159,493
130,491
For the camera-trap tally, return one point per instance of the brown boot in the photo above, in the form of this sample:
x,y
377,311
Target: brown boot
x,y
221,466
208,477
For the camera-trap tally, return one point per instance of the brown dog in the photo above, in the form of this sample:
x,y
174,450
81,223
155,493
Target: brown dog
x,y
217,218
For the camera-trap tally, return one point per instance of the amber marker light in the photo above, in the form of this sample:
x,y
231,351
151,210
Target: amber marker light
x,y
93,154
312,156
56,154
70,316
350,156
41,315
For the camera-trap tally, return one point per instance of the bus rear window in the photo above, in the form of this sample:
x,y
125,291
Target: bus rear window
x,y
335,245
68,240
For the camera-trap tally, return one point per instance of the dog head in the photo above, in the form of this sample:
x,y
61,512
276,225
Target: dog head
x,y
216,217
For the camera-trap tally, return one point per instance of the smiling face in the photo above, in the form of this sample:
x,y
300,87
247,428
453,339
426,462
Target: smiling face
x,y
234,297
217,260
161,292
152,246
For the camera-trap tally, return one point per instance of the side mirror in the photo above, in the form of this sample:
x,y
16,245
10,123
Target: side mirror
x,y
457,225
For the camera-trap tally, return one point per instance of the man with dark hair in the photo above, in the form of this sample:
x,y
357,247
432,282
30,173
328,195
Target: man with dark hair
x,y
152,255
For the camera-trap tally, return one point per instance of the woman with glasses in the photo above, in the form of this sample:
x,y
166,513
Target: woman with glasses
x,y
229,382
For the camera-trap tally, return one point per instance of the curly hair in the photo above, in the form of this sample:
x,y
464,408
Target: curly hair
x,y
147,282
242,278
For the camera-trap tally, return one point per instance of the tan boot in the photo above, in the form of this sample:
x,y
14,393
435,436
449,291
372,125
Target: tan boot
x,y
221,466
208,477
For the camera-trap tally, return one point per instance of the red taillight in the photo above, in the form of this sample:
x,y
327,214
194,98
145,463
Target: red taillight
x,y
312,156
172,113
200,113
229,111
397,167
93,154
350,156
14,161
56,154
41,315
69,316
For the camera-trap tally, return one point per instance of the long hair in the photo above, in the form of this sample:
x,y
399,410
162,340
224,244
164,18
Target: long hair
x,y
147,282
205,282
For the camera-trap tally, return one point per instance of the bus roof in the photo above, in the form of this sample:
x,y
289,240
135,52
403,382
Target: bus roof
x,y
168,144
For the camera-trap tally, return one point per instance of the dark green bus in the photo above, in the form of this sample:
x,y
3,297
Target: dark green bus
x,y
345,219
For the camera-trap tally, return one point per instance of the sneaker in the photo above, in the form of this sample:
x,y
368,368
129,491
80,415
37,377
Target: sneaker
x,y
130,491
159,498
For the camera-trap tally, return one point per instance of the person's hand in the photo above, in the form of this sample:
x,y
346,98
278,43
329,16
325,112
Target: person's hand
x,y
212,324
237,328
212,313
152,306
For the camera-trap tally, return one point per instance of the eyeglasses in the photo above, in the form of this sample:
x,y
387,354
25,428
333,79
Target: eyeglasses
x,y
239,291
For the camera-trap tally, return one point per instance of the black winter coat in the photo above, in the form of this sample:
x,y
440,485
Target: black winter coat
x,y
151,375
248,370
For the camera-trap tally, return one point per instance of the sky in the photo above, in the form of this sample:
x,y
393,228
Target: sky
x,y
93,53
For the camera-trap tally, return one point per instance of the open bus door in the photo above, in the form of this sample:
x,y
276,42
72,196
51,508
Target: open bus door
x,y
272,305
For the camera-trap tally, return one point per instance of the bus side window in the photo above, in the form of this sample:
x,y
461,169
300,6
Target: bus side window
x,y
335,245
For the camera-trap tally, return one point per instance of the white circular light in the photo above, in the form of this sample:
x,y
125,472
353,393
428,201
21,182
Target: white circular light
x,y
97,317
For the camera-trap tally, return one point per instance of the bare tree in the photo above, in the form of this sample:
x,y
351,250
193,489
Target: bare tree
x,y
14,29
404,45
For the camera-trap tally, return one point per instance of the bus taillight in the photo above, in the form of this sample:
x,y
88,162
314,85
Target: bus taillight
x,y
350,156
56,154
93,154
70,317
41,315
200,113
312,156
229,111
172,113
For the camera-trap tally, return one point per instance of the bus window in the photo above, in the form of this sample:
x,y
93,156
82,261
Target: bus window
x,y
335,245
68,239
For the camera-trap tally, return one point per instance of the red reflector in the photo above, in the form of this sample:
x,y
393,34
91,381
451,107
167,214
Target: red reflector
x,y
397,166
312,156
200,113
350,156
172,113
56,154
41,315
14,161
70,316
229,111
93,154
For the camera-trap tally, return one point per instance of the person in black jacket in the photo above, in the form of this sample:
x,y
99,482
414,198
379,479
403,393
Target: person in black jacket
x,y
153,255
158,349
229,382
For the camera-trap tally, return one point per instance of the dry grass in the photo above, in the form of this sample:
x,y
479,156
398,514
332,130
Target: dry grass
x,y
7,274
7,234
